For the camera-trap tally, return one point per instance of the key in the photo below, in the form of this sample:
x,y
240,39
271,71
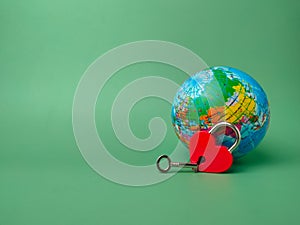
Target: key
x,y
171,164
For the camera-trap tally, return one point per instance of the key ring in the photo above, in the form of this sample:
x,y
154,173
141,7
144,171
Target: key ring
x,y
158,163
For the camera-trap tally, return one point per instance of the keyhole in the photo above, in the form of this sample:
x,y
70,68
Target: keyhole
x,y
201,160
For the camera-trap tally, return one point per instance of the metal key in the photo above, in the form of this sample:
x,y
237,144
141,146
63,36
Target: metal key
x,y
194,166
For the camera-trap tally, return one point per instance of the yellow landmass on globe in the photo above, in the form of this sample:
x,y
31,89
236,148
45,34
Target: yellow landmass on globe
x,y
243,105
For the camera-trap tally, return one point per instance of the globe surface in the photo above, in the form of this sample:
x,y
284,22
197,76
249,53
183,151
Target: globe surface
x,y
222,94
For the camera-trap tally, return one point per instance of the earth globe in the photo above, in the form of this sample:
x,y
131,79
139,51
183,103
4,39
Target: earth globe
x,y
219,94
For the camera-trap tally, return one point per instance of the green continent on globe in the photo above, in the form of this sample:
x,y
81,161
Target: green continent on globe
x,y
222,94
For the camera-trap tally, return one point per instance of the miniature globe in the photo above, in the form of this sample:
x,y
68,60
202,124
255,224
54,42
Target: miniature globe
x,y
222,94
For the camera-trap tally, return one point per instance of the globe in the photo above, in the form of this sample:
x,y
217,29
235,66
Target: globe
x,y
219,94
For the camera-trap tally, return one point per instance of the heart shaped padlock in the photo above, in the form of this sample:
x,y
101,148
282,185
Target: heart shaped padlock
x,y
209,156
205,154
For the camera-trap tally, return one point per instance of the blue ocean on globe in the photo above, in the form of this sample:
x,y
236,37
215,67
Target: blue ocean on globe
x,y
218,94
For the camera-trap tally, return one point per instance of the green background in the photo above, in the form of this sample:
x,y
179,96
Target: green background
x,y
45,47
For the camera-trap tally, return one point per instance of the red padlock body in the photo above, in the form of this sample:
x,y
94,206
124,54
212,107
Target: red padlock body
x,y
215,158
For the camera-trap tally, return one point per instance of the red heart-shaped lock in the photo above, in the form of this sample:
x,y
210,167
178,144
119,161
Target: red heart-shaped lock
x,y
213,158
